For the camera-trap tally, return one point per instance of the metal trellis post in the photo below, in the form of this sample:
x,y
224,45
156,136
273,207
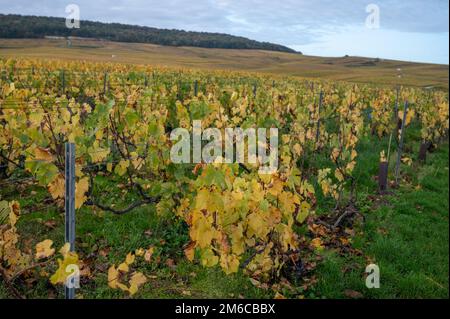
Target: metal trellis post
x,y
70,204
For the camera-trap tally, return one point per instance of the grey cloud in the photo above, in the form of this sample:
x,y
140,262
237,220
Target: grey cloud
x,y
286,22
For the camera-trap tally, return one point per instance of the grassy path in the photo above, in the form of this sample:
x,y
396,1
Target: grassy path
x,y
407,237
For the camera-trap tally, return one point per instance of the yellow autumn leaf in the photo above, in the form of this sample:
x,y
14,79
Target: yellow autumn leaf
x,y
229,263
98,154
338,175
317,243
44,250
65,249
148,254
78,171
297,149
99,135
275,187
408,161
288,201
122,286
63,271
303,212
80,189
14,212
137,280
208,258
130,258
279,296
57,187
237,239
65,115
325,187
113,277
335,154
350,166
265,178
123,267
36,118
189,251
121,168
201,230
42,154
257,226
211,201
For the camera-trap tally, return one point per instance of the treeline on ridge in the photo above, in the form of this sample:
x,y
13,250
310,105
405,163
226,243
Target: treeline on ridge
x,y
19,26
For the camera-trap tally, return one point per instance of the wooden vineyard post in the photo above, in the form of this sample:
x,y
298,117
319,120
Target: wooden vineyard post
x,y
400,145
254,91
70,205
318,117
179,91
105,78
396,107
195,88
63,81
395,126
12,73
145,80
396,119
424,146
382,177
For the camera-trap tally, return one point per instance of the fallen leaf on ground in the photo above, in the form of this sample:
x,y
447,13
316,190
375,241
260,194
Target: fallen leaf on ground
x,y
353,294
279,296
44,250
148,254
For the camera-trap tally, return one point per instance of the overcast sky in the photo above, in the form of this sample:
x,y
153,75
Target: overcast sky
x,y
411,30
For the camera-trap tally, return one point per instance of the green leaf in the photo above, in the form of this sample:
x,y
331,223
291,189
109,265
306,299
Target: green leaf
x,y
44,172
212,177
131,117
264,205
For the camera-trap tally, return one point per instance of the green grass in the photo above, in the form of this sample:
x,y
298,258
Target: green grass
x,y
140,228
407,238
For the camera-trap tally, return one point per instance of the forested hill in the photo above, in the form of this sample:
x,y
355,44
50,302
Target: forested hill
x,y
18,26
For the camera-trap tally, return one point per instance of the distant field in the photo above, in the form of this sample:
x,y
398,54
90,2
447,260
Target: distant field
x,y
353,69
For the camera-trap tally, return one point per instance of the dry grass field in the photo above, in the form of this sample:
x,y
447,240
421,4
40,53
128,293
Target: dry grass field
x,y
352,69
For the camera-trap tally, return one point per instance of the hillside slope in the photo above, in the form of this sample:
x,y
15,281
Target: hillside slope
x,y
353,69
18,26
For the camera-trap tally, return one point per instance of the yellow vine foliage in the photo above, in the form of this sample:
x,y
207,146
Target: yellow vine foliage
x,y
237,218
